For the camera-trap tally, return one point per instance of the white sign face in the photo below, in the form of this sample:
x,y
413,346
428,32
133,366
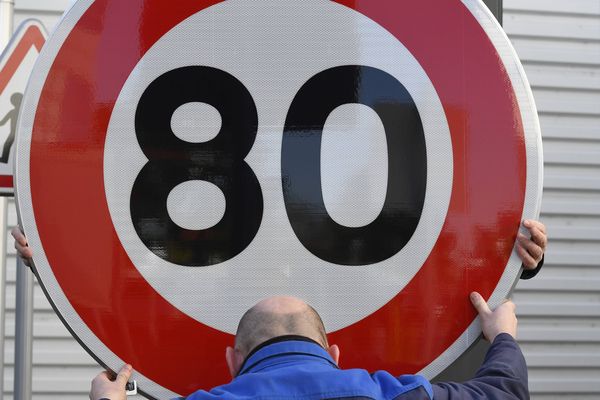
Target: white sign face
x,y
216,153
16,63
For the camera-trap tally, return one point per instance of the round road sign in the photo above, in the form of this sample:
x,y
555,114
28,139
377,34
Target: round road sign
x,y
177,163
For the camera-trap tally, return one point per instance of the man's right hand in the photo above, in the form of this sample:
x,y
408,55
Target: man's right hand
x,y
106,387
23,249
493,323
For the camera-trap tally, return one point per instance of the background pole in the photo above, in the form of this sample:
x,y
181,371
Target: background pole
x,y
23,332
6,22
3,227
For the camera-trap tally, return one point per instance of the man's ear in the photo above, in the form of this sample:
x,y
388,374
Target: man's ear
x,y
334,352
234,360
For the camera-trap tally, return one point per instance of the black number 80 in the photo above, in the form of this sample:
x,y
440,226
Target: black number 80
x,y
221,161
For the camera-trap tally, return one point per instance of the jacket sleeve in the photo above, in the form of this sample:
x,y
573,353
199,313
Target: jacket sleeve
x,y
503,375
528,274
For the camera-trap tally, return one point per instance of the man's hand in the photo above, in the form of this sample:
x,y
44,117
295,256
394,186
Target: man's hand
x,y
105,388
493,323
23,249
531,250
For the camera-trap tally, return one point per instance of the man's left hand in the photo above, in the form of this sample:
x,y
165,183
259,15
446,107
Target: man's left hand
x,y
531,249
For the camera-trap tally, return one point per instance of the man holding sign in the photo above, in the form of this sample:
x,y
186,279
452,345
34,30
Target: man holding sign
x,y
274,330
281,351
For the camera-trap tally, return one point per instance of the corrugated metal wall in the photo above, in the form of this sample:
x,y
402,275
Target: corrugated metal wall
x,y
559,311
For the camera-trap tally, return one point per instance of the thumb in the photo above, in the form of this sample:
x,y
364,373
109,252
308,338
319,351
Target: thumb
x,y
124,375
480,304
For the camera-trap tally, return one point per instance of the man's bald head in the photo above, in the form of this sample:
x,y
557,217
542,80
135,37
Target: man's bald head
x,y
277,316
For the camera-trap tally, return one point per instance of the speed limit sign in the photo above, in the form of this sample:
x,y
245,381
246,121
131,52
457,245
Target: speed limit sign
x,y
177,162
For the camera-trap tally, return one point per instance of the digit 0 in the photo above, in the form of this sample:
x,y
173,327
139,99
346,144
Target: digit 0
x,y
301,165
173,161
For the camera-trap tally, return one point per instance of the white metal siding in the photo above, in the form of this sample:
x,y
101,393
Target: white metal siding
x,y
559,311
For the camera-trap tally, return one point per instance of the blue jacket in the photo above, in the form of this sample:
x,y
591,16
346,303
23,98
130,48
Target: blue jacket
x,y
301,369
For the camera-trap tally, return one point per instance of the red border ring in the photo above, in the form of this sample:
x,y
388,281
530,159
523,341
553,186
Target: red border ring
x,y
405,335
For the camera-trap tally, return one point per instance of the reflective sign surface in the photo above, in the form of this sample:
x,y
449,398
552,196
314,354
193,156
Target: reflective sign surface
x,y
179,163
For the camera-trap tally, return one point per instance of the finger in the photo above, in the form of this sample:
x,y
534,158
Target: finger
x,y
17,234
539,237
532,248
480,304
526,259
21,243
24,251
124,375
531,223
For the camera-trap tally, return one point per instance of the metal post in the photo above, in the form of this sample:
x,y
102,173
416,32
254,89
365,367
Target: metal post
x,y
3,226
6,21
496,7
23,332
6,31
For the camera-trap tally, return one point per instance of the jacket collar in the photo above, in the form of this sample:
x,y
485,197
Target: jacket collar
x,y
289,345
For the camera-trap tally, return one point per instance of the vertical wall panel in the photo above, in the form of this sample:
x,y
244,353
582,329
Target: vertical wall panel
x,y
559,311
